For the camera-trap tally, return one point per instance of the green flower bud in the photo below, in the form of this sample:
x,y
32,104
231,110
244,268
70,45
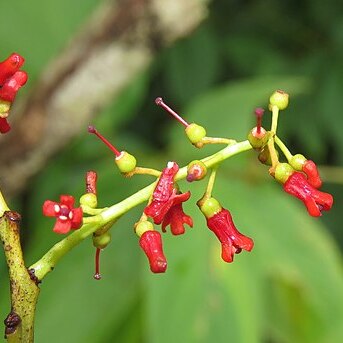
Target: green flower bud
x,y
279,99
142,227
102,241
195,133
258,140
196,170
298,161
210,207
89,199
126,162
282,172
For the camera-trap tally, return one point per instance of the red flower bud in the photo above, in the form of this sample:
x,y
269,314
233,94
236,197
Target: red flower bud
x,y
10,66
11,86
67,216
151,243
313,178
315,201
231,239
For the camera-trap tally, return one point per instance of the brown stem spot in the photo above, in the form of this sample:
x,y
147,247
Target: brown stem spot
x,y
33,276
11,323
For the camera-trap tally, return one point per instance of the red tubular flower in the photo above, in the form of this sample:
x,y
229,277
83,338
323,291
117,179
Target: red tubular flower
x,y
176,218
315,201
231,239
151,243
165,195
313,178
67,216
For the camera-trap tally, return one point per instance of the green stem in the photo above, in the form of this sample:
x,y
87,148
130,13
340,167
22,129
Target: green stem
x,y
209,188
23,288
3,205
283,148
217,140
273,154
46,264
143,171
275,116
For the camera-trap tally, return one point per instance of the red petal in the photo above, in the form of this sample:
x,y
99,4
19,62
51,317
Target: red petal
x,y
158,209
49,208
62,226
67,200
176,218
77,218
227,253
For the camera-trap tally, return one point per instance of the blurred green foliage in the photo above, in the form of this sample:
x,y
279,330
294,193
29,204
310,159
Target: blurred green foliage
x,y
290,287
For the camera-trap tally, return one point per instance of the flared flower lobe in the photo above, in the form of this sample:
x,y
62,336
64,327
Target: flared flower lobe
x,y
232,241
315,201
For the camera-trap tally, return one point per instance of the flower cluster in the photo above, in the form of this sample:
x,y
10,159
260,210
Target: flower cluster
x,y
299,176
11,79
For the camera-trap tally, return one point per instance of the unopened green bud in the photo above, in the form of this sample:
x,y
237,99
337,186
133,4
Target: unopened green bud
x,y
298,161
102,241
282,172
142,227
210,207
258,139
195,133
279,99
89,199
196,170
126,162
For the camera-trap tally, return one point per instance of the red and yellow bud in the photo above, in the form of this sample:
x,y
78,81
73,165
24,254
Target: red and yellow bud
x,y
196,170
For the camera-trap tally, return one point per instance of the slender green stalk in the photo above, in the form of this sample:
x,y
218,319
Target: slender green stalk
x,y
3,205
283,148
215,140
275,117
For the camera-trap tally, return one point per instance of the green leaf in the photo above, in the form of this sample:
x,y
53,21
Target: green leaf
x,y
187,77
